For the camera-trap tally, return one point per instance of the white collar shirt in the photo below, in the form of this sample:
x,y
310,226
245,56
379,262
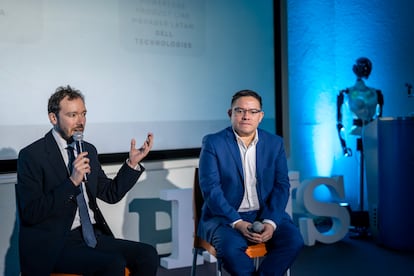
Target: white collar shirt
x,y
250,200
63,150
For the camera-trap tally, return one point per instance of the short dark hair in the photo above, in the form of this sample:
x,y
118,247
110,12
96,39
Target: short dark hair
x,y
60,93
246,93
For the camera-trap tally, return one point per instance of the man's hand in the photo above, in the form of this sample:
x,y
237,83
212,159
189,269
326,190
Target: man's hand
x,y
244,226
136,155
267,233
81,168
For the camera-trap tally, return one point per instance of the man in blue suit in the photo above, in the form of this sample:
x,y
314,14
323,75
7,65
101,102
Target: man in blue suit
x,y
243,177
51,236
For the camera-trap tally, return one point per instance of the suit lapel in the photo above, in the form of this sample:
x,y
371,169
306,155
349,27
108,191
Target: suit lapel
x,y
260,151
234,150
54,157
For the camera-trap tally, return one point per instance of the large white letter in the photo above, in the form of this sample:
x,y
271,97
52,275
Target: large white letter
x,y
339,215
182,228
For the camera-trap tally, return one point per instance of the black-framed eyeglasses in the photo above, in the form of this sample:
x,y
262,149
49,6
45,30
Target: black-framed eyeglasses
x,y
241,111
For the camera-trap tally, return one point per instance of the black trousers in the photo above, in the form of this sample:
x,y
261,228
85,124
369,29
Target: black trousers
x,y
109,257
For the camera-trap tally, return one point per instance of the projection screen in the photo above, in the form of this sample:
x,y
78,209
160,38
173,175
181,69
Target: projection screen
x,y
164,66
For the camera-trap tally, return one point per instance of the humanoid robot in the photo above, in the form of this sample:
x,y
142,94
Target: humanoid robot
x,y
364,102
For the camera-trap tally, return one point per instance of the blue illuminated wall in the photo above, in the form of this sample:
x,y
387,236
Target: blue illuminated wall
x,y
324,40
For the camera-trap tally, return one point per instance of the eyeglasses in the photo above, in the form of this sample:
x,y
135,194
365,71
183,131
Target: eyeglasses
x,y
238,111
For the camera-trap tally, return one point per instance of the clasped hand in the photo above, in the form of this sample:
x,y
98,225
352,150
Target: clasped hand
x,y
244,226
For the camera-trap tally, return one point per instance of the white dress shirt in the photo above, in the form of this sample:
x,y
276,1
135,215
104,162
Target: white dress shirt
x,y
62,146
250,200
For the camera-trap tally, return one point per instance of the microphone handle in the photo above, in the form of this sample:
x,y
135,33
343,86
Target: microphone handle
x,y
79,148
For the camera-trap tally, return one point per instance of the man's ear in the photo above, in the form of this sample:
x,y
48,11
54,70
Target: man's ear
x,y
261,116
52,118
229,112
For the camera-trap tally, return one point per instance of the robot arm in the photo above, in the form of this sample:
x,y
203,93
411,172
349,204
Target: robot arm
x,y
339,126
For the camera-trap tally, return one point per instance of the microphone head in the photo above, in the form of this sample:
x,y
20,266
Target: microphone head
x,y
257,227
78,136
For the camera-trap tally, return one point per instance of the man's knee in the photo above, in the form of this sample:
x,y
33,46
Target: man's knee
x,y
115,265
147,262
152,256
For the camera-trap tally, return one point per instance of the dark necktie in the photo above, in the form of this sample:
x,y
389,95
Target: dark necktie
x,y
87,228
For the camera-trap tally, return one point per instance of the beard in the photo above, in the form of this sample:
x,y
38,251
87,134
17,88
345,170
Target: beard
x,y
67,135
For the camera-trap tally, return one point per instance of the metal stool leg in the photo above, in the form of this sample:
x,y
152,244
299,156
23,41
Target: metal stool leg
x,y
218,267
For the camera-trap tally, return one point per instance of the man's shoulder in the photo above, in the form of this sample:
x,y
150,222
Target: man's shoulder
x,y
90,147
268,136
39,144
34,145
266,133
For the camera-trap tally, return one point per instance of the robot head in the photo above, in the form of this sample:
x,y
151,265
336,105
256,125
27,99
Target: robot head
x,y
362,68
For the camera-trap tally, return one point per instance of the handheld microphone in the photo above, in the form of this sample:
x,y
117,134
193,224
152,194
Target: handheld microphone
x,y
257,227
78,138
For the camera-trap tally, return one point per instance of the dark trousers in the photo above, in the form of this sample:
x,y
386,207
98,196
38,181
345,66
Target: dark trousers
x,y
282,249
109,257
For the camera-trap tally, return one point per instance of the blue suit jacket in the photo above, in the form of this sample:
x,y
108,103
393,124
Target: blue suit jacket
x,y
222,181
46,200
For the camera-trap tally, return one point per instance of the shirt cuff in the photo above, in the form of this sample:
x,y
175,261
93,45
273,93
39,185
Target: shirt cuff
x,y
268,221
233,224
137,166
